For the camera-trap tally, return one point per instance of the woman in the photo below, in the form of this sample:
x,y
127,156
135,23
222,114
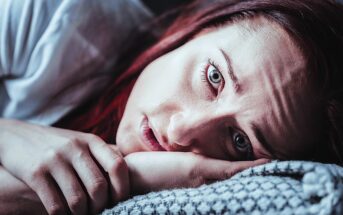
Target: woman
x,y
228,82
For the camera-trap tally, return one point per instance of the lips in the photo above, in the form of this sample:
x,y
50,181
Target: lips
x,y
148,136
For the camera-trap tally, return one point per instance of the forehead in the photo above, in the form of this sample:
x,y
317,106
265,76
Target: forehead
x,y
271,71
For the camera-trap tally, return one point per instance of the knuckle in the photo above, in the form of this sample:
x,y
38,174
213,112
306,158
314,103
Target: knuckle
x,y
114,149
55,209
118,165
77,152
74,142
94,138
53,155
76,201
38,171
70,140
98,187
82,155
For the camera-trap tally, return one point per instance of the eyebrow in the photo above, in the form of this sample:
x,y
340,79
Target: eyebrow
x,y
232,75
237,87
262,139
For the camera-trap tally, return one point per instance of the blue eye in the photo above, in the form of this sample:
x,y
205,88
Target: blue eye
x,y
242,144
214,76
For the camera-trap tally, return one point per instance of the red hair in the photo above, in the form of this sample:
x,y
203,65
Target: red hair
x,y
316,27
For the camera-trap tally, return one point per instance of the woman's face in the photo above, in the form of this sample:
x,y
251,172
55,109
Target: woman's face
x,y
234,93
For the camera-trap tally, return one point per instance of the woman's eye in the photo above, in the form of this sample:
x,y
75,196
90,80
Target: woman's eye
x,y
214,77
242,145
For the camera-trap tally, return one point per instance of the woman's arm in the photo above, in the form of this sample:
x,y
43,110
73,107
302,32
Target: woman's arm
x,y
154,171
78,172
16,197
69,171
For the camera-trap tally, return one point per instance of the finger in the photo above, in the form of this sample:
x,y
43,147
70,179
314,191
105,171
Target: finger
x,y
214,169
114,164
93,180
68,182
114,149
49,194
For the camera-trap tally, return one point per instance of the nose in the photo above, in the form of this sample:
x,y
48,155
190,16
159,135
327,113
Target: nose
x,y
186,128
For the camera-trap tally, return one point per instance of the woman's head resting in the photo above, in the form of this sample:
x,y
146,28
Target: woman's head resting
x,y
236,91
286,59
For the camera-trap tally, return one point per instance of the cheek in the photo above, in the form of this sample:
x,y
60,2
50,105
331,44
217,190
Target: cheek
x,y
215,145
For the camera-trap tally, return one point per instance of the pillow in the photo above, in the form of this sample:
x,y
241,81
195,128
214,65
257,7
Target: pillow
x,y
287,187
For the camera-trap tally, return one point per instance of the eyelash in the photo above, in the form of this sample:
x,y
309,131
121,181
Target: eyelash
x,y
205,79
249,154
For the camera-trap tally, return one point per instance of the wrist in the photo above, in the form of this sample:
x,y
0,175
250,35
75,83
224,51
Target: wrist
x,y
16,197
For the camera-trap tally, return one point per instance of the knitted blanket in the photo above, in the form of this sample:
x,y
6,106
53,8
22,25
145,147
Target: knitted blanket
x,y
287,187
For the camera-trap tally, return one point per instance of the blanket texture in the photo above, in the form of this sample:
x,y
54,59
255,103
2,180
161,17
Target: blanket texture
x,y
287,187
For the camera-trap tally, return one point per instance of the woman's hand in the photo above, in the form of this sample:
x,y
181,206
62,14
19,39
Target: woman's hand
x,y
16,197
68,170
152,171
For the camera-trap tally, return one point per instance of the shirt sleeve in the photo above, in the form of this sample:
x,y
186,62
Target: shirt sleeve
x,y
55,55
21,25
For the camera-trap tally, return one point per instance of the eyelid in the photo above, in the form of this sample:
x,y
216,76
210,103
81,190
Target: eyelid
x,y
209,63
251,155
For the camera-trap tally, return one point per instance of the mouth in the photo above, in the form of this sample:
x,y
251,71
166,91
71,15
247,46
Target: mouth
x,y
148,136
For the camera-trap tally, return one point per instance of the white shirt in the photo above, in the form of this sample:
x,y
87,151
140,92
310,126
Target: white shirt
x,y
55,54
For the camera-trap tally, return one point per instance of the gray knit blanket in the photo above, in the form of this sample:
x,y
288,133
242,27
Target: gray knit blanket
x,y
287,187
